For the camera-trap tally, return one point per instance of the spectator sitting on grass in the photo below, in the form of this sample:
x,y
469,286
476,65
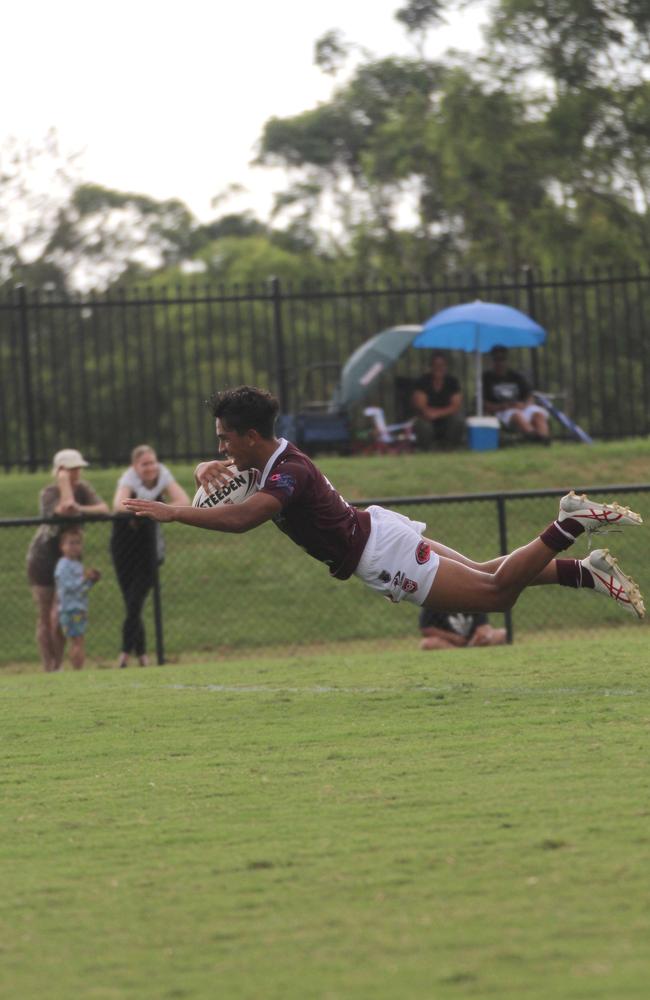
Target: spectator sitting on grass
x,y
444,630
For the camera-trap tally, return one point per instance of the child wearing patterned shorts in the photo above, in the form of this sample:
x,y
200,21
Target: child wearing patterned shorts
x,y
72,586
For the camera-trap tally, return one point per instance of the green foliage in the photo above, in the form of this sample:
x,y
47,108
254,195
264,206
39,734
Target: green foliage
x,y
330,51
504,171
235,260
420,15
334,136
576,43
231,224
535,153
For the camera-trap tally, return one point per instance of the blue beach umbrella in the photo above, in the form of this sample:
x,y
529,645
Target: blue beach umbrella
x,y
477,327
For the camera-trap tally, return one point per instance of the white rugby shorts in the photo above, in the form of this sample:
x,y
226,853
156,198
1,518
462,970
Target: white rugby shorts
x,y
528,411
396,561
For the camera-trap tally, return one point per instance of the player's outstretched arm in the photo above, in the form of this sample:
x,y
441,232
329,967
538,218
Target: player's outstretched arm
x,y
235,518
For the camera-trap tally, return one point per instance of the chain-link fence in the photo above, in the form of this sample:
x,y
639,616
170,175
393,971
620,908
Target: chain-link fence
x,y
217,594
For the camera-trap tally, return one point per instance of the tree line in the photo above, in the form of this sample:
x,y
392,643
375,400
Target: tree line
x,y
535,152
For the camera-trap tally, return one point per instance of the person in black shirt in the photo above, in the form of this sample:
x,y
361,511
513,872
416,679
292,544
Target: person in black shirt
x,y
135,551
507,395
437,400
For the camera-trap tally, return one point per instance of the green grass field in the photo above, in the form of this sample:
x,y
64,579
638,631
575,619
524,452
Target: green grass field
x,y
382,825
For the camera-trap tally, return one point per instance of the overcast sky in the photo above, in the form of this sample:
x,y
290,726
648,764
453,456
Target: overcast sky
x,y
169,98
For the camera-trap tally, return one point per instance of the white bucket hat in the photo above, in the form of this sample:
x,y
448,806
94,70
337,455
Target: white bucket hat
x,y
68,458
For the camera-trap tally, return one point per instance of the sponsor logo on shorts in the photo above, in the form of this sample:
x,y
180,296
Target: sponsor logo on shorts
x,y
384,576
402,582
423,553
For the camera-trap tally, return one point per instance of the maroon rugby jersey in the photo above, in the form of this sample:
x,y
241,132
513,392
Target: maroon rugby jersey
x,y
313,514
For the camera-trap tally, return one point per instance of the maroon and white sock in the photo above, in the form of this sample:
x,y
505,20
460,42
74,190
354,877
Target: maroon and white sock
x,y
560,536
571,573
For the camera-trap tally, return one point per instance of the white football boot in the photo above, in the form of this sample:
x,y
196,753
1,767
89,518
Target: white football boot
x,y
596,517
610,579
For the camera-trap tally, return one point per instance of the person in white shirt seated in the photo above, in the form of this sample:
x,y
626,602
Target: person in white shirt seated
x,y
508,396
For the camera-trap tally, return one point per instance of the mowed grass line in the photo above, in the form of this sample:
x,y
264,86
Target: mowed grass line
x,y
465,824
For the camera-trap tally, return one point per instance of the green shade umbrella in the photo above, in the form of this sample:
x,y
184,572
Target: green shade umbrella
x,y
365,366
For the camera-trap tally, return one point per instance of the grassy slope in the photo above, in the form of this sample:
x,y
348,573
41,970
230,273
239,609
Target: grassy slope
x,y
512,468
469,825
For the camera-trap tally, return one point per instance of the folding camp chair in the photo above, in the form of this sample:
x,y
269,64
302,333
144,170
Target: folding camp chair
x,y
390,438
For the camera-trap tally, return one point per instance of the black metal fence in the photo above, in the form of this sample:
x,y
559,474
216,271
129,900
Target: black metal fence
x,y
220,594
106,371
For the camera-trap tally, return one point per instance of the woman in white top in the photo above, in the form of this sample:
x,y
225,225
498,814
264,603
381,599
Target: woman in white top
x,y
135,548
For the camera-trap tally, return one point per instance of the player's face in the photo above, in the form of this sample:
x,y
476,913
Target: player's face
x,y
237,447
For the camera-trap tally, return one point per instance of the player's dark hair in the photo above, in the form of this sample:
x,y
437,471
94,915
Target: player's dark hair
x,y
246,409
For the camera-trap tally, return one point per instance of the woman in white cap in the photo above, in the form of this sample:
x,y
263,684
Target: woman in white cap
x,y
67,495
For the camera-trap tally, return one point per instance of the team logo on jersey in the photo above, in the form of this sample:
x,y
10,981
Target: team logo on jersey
x,y
282,481
423,553
384,576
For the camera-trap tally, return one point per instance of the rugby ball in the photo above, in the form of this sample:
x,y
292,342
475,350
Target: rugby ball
x,y
238,488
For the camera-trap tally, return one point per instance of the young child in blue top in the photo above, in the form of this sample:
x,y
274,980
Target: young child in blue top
x,y
72,586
